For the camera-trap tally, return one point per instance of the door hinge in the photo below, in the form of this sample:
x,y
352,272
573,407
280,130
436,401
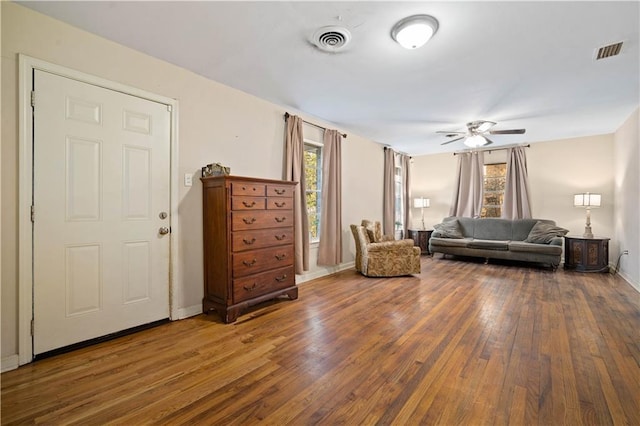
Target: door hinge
x,y
32,327
33,214
33,99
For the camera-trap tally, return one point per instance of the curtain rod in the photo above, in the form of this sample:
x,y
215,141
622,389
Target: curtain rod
x,y
493,149
398,152
287,115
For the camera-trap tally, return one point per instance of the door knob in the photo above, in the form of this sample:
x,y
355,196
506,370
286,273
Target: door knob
x,y
163,230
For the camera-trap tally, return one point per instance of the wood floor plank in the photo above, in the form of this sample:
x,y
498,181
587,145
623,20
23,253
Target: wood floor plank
x,y
461,343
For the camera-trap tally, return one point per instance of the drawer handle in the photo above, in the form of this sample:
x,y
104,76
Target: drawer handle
x,y
253,262
280,237
251,204
280,191
248,220
280,256
280,219
249,242
249,288
282,278
282,204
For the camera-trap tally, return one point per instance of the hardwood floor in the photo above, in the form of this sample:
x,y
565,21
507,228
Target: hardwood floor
x,y
463,343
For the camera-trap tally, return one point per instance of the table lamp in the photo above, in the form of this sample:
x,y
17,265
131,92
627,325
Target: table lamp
x,y
421,203
588,201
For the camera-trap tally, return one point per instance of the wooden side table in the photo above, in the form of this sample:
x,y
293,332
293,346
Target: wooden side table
x,y
586,254
421,238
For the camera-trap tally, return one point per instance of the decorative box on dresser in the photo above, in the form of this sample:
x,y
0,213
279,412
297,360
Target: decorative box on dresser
x,y
248,243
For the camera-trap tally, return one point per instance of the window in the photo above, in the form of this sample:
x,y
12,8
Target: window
x,y
313,181
495,178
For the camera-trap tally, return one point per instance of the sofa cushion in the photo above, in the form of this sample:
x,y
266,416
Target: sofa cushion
x,y
521,246
492,229
543,233
489,244
520,228
448,229
449,242
391,246
467,225
373,229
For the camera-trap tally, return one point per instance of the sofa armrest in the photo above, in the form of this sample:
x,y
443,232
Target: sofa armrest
x,y
556,241
393,254
390,245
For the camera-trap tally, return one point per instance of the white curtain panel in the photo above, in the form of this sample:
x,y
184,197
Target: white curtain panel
x,y
330,247
405,161
389,199
517,199
467,198
294,171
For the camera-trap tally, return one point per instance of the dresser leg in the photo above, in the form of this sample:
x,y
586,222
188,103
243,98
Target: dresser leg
x,y
229,315
293,293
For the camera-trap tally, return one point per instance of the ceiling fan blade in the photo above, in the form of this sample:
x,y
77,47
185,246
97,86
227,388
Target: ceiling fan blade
x,y
507,132
480,126
489,141
452,140
450,133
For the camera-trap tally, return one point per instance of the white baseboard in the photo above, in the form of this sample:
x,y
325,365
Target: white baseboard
x,y
635,285
323,272
189,311
10,362
194,310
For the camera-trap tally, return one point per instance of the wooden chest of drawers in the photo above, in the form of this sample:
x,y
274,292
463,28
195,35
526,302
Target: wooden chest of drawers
x,y
248,243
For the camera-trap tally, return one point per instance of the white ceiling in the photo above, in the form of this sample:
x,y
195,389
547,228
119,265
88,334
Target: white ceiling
x,y
522,64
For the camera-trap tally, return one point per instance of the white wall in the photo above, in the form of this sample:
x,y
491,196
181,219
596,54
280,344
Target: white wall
x,y
433,177
627,197
557,170
216,124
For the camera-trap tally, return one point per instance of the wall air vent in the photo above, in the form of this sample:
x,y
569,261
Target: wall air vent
x,y
608,51
331,39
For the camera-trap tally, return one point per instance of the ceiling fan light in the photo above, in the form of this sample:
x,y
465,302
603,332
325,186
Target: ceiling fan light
x,y
414,31
475,141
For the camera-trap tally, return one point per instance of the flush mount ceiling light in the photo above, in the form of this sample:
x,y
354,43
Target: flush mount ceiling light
x,y
414,31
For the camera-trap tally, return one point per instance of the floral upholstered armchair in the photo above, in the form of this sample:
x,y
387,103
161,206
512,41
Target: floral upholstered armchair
x,y
382,256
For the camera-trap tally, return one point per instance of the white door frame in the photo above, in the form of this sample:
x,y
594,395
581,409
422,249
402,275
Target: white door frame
x,y
25,189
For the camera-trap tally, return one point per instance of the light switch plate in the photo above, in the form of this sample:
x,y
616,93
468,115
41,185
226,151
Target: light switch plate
x,y
187,179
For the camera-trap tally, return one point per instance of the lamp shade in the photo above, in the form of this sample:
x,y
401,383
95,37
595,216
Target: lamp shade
x,y
421,202
587,199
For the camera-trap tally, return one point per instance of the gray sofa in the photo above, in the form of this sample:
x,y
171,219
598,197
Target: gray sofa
x,y
530,240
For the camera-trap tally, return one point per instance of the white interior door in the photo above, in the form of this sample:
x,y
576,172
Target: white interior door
x,y
101,194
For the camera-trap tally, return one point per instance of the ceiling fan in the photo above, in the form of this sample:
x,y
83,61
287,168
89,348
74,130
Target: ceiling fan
x,y
474,135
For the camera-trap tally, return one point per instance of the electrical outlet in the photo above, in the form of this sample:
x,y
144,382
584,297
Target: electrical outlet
x,y
625,251
187,179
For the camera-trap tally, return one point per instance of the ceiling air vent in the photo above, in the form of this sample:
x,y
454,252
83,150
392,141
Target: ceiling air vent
x,y
331,39
608,51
